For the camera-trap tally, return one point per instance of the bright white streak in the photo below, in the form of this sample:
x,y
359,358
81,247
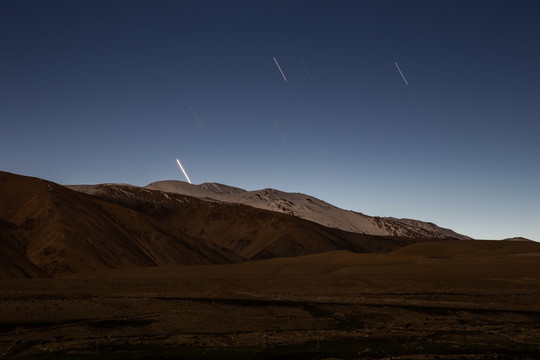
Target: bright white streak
x,y
279,67
184,171
406,83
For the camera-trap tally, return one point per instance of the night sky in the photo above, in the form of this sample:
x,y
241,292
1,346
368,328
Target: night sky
x,y
115,91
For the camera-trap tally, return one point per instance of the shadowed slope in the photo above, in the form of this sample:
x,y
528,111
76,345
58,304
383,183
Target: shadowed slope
x,y
13,260
250,232
63,231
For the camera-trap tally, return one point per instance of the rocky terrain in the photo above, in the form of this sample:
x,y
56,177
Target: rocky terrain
x,y
51,230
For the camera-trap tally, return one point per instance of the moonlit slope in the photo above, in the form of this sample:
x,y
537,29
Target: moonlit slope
x,y
309,208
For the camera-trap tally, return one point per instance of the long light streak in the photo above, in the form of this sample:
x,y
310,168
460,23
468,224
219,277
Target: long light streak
x,y
184,171
403,76
281,71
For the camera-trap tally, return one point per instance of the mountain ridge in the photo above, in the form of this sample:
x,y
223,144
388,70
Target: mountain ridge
x,y
309,208
60,231
49,230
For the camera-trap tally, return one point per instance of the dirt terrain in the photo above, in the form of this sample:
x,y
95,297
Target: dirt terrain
x,y
446,300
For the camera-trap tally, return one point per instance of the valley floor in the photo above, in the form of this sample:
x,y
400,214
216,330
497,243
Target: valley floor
x,y
473,303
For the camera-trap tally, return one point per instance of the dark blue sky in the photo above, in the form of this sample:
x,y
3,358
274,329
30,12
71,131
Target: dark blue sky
x,y
115,91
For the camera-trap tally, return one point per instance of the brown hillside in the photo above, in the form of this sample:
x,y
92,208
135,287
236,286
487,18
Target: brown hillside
x,y
13,260
52,230
250,232
62,231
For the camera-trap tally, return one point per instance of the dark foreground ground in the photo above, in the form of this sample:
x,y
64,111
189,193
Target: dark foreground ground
x,y
466,301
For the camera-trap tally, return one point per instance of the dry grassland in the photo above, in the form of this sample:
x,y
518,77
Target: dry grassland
x,y
448,300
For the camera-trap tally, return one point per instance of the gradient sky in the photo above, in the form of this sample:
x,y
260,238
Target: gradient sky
x,y
115,91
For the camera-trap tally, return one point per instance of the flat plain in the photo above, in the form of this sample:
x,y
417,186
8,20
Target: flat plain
x,y
439,299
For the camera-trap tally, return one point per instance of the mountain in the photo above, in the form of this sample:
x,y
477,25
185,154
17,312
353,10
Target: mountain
x,y
250,232
47,230
50,230
309,208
